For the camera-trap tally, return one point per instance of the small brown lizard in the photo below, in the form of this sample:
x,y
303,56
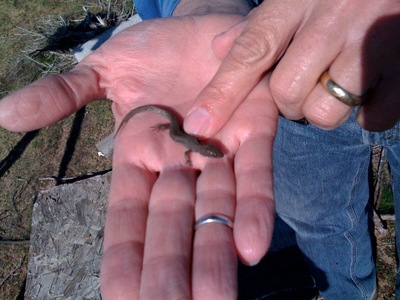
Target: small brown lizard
x,y
176,132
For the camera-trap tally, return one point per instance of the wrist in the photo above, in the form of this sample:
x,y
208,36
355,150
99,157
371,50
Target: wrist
x,y
202,7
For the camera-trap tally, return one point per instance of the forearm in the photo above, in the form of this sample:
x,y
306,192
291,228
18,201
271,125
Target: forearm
x,y
201,7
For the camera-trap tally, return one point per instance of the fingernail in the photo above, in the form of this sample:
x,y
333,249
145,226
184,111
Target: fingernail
x,y
253,263
197,122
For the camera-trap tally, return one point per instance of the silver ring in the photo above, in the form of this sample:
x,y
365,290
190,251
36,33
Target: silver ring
x,y
214,218
338,92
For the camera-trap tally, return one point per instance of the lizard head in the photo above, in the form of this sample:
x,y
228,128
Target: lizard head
x,y
210,151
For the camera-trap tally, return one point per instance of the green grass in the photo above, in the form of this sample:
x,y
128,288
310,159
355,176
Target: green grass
x,y
17,19
387,203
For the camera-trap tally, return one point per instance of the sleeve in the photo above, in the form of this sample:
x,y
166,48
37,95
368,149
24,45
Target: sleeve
x,y
150,9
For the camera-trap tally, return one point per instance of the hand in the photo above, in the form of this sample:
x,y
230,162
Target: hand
x,y
148,246
358,43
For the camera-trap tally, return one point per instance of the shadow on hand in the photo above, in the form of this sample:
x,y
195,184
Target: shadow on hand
x,y
381,75
282,274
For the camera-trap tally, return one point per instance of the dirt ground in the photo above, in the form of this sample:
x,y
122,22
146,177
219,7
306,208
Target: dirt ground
x,y
386,263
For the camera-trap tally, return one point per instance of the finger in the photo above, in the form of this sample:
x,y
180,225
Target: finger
x,y
381,109
261,43
357,69
50,99
255,209
125,230
310,54
168,245
351,49
348,71
214,256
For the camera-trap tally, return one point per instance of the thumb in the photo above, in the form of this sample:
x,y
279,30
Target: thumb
x,y
49,100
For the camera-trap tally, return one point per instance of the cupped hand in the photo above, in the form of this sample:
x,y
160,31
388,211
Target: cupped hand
x,y
155,197
298,41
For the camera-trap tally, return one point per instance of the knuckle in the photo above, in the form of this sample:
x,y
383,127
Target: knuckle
x,y
254,47
325,118
283,94
286,93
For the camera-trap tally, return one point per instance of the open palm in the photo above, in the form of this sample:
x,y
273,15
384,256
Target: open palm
x,y
150,248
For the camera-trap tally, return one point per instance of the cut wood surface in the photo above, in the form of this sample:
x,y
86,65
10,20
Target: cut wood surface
x,y
66,240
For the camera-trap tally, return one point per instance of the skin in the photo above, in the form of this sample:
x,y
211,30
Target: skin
x,y
176,133
298,41
150,247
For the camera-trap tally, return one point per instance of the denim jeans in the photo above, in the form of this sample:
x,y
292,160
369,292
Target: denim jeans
x,y
322,193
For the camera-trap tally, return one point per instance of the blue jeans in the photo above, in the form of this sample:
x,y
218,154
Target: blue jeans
x,y
322,193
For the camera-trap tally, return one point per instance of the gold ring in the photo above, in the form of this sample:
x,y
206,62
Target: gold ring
x,y
338,92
